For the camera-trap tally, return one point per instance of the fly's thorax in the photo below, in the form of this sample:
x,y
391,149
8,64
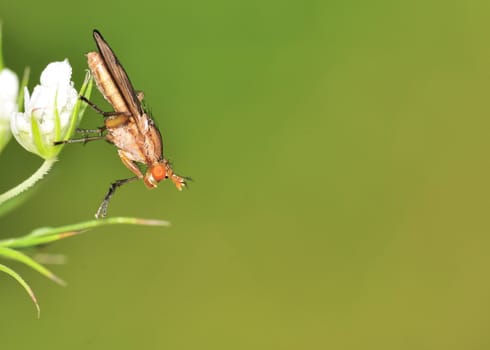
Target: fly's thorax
x,y
127,138
105,82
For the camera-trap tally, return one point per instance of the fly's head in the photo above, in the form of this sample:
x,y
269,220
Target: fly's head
x,y
161,171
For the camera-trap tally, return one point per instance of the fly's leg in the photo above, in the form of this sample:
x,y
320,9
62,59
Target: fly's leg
x,y
87,132
100,111
130,164
86,137
84,140
113,119
102,211
91,131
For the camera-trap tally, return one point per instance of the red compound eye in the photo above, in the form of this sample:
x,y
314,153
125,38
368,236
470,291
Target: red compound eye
x,y
158,172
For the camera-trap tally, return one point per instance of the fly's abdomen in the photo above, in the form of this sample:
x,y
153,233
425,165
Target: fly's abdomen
x,y
105,82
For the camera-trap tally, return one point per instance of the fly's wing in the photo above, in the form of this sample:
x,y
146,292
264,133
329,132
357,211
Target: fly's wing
x,y
120,78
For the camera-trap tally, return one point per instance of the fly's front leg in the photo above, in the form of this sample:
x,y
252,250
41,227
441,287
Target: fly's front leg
x,y
102,211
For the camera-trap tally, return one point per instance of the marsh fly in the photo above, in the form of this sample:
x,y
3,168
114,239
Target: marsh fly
x,y
129,127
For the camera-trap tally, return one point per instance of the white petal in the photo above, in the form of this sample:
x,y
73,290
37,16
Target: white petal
x,y
9,88
47,127
56,74
21,129
20,123
9,84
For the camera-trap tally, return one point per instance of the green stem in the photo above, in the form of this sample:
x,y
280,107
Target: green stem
x,y
38,175
1,56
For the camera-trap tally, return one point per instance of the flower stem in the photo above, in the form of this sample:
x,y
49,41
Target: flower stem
x,y
38,175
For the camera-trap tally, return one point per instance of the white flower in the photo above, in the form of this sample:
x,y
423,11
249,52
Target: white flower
x,y
48,112
9,88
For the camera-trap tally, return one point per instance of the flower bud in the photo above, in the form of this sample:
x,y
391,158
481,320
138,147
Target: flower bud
x,y
9,88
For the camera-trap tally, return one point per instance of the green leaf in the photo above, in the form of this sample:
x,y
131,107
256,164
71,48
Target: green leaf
x,y
28,183
16,201
1,49
80,107
45,235
24,284
23,258
57,120
85,91
23,84
37,138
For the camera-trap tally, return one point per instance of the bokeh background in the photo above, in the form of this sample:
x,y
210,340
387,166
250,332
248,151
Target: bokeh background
x,y
339,151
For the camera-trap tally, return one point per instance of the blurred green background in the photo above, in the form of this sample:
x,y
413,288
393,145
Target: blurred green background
x,y
341,195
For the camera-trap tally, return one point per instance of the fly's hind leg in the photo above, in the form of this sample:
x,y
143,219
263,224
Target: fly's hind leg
x,y
113,119
100,111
